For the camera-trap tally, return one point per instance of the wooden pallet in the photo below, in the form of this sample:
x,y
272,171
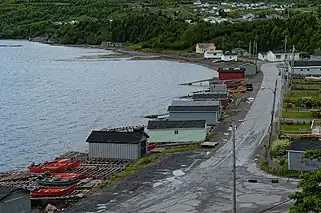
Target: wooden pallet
x,y
99,171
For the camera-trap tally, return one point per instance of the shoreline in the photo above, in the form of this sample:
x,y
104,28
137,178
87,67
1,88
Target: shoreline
x,y
136,55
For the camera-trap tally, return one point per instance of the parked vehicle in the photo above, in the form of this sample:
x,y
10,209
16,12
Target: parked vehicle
x,y
57,166
60,179
52,192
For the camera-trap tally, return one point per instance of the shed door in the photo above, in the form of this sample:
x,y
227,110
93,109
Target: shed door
x,y
143,147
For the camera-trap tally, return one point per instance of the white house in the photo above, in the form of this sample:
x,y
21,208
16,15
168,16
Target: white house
x,y
214,54
229,57
262,56
307,67
316,56
203,47
276,56
162,131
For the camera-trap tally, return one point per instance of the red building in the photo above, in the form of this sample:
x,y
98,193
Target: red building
x,y
231,73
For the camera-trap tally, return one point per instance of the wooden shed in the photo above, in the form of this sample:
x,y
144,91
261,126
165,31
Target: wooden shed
x,y
117,145
161,131
231,73
295,155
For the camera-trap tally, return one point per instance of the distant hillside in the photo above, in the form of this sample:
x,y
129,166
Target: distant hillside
x,y
159,27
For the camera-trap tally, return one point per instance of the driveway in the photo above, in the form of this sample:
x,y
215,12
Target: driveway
x,y
208,187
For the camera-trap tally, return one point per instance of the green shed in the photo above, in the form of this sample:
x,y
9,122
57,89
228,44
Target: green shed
x,y
162,131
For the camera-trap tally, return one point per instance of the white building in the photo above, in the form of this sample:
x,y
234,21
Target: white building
x,y
307,67
203,47
229,57
213,54
276,56
316,56
262,56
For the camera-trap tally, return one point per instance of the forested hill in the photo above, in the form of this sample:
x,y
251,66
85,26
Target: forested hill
x,y
94,21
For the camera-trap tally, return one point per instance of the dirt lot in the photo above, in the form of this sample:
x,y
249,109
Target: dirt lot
x,y
168,165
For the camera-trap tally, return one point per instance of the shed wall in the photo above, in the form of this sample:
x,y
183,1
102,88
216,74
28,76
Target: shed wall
x,y
315,57
308,71
230,75
296,163
114,151
17,202
211,118
249,69
184,135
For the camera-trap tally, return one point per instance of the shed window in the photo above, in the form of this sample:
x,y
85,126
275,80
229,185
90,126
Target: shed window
x,y
175,132
308,69
278,56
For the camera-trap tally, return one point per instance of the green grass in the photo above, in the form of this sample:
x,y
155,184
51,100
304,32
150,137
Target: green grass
x,y
303,93
282,171
297,115
294,127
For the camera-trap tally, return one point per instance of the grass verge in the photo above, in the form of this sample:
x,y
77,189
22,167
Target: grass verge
x,y
278,170
294,127
297,115
146,161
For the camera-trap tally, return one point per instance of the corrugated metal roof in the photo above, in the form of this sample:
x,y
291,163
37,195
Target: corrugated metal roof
x,y
193,108
115,137
161,124
303,145
234,69
194,103
307,63
7,190
209,95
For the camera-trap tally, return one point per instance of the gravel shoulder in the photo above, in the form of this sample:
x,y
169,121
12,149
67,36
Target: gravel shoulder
x,y
167,166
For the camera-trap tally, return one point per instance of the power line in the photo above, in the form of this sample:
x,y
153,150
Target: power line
x,y
221,160
274,206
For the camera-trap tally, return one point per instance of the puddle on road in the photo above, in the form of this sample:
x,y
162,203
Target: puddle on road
x,y
171,180
259,199
178,173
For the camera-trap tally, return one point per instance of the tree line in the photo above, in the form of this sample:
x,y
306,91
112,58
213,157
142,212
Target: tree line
x,y
153,29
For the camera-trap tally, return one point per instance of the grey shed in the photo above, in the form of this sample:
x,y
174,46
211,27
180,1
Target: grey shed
x,y
295,155
250,69
117,145
210,114
14,200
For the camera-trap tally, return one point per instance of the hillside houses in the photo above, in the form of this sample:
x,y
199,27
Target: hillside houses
x,y
213,11
277,56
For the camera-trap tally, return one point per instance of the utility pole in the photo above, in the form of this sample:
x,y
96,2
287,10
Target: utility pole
x,y
292,65
234,168
253,50
256,56
285,59
272,113
250,44
285,41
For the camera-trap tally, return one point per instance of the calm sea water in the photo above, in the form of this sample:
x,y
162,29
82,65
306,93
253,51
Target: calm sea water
x,y
51,99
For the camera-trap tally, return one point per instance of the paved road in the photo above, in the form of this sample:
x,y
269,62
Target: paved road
x,y
207,188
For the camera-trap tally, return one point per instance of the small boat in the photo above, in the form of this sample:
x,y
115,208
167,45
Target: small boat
x,y
60,179
57,166
52,192
151,147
